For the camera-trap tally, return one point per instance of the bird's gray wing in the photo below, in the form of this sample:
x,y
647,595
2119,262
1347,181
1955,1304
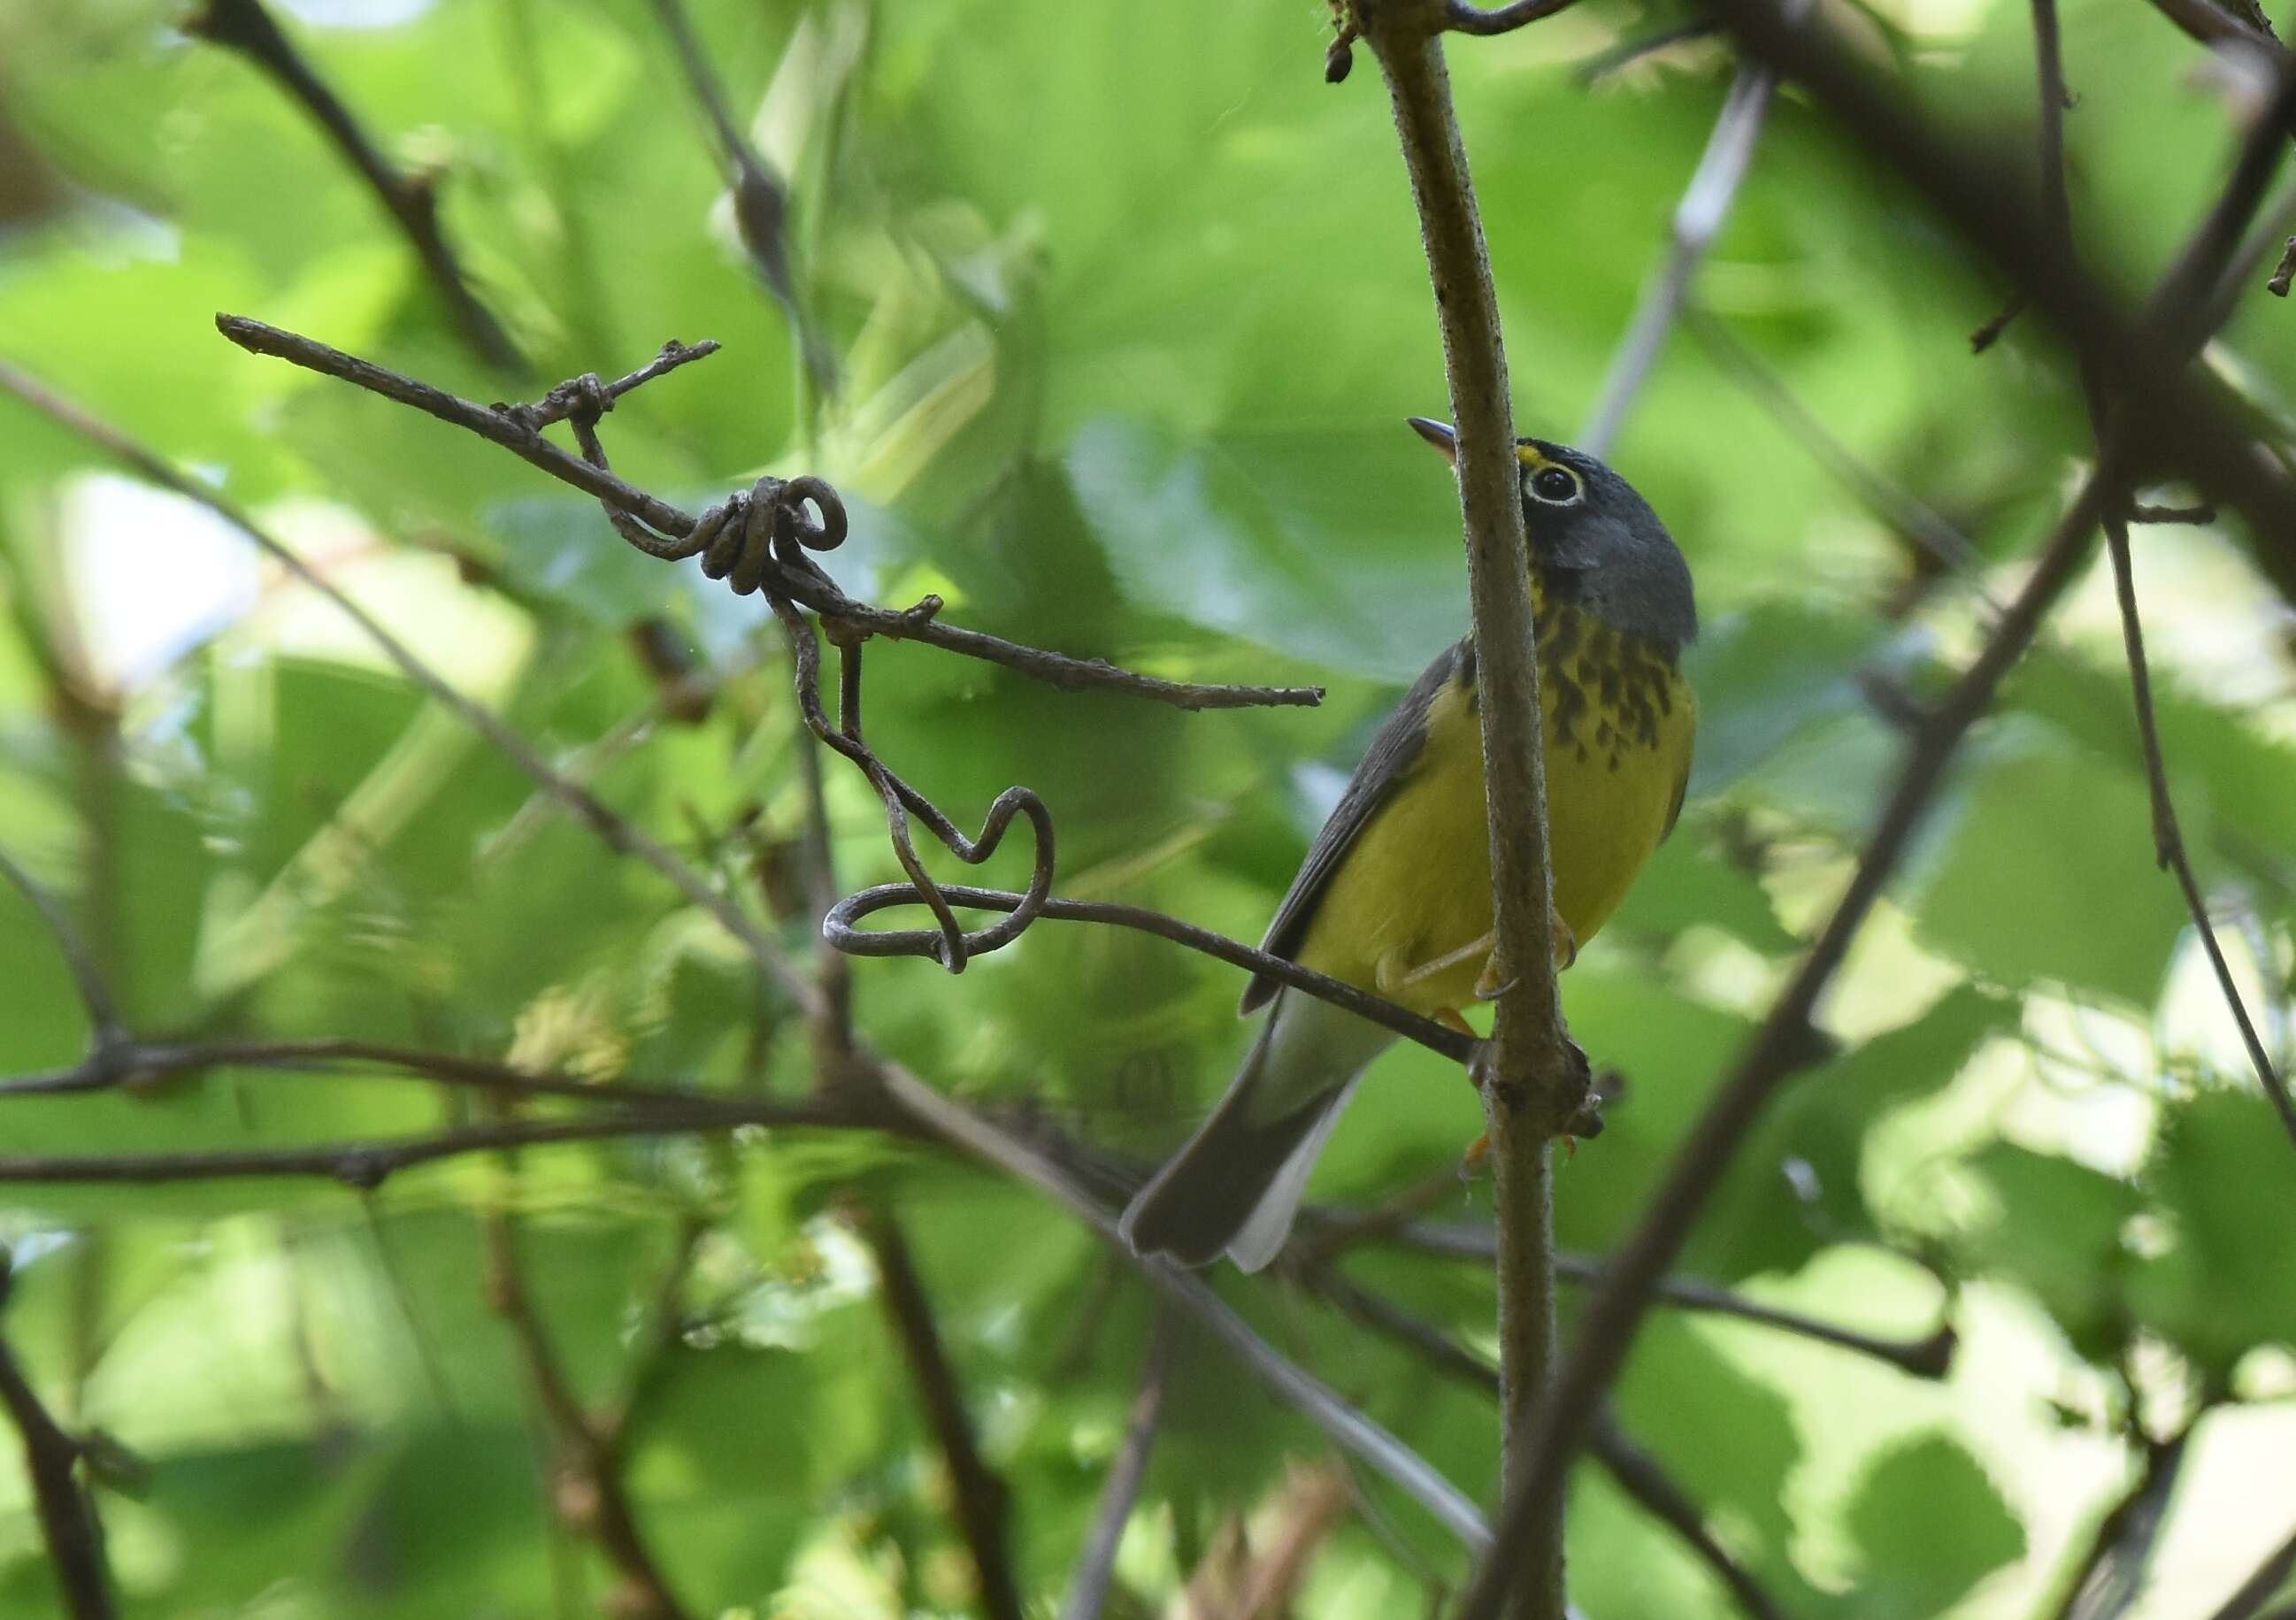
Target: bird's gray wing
x,y
1386,763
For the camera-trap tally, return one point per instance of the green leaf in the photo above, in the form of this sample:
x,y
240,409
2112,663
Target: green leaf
x,y
2043,832
2220,1289
2062,1235
1931,1524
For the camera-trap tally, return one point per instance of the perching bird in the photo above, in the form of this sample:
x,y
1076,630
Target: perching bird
x,y
1395,895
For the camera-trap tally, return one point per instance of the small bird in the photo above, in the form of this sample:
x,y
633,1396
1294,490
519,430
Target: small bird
x,y
1395,895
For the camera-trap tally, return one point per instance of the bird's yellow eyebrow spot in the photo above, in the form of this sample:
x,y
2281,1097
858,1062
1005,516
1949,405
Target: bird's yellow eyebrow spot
x,y
1531,457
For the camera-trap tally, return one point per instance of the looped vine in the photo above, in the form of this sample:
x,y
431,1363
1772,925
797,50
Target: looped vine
x,y
758,540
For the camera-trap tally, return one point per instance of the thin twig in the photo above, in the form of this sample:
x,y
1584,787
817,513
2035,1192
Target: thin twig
x,y
1929,1357
1896,506
982,1499
812,590
364,1166
1534,1079
1641,1476
2260,1587
1095,1567
247,28
760,199
589,1491
68,1525
2141,514
2112,1573
2167,837
1461,17
106,1033
1697,220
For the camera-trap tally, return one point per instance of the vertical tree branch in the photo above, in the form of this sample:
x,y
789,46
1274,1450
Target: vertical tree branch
x,y
1528,1074
983,1501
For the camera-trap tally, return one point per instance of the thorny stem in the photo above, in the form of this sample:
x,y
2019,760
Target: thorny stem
x,y
1532,1067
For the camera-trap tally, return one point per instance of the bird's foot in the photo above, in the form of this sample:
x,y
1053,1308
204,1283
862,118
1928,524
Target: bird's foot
x,y
1451,1018
1566,942
1392,976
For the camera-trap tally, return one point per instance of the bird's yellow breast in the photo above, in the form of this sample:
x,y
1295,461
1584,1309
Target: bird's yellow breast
x,y
1416,886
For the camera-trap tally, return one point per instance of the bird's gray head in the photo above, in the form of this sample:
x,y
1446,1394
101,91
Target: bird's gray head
x,y
1596,544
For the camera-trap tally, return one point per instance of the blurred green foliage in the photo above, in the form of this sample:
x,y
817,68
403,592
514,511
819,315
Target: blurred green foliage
x,y
1127,305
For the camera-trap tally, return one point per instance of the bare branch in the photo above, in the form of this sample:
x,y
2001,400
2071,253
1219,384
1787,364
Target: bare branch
x,y
1096,1567
68,1521
1929,1357
1697,220
1463,17
413,202
2167,837
364,1166
1535,1079
812,590
840,929
1637,1471
982,1499
1640,1476
1896,506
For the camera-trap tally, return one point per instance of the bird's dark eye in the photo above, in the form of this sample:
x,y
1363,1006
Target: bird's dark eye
x,y
1556,485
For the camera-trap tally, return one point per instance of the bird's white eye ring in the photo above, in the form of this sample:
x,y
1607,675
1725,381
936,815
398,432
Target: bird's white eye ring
x,y
1555,486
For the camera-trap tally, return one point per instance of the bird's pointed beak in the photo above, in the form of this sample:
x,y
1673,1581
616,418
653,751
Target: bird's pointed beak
x,y
1438,434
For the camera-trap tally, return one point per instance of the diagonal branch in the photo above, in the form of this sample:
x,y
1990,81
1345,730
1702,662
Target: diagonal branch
x,y
2269,1578
68,1522
588,1492
1928,1357
760,199
245,26
983,1501
1697,220
1463,17
1096,1567
106,1034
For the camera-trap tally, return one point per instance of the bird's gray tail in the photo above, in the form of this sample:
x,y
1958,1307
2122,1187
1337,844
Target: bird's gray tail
x,y
1237,1182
